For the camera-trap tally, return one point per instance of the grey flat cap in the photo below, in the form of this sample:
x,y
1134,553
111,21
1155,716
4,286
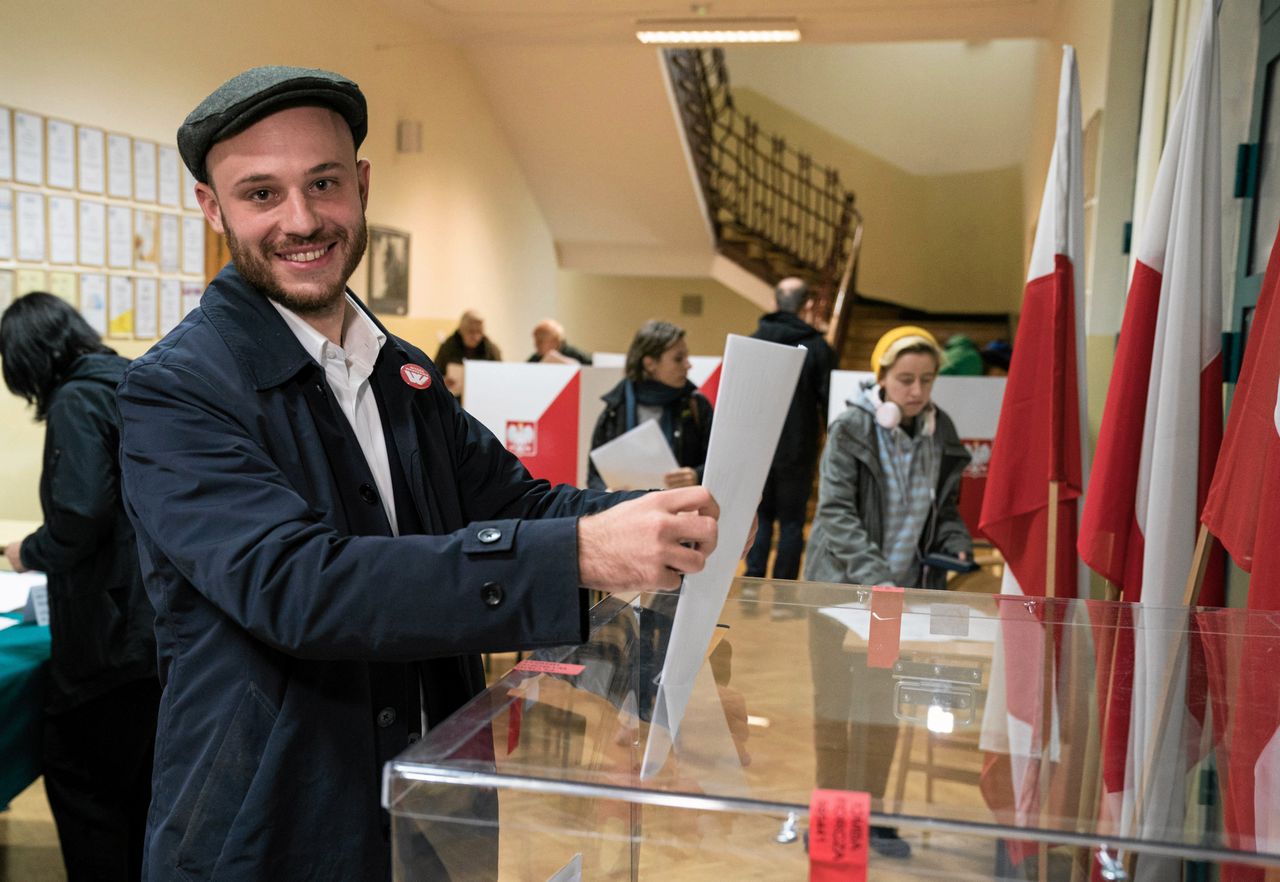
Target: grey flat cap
x,y
248,97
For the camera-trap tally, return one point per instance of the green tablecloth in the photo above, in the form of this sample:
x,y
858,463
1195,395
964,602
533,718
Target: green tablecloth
x,y
24,649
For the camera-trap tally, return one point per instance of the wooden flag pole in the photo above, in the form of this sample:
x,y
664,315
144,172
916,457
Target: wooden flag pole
x,y
1195,578
1047,687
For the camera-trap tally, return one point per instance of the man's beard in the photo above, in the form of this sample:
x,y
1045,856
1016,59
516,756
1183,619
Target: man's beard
x,y
255,267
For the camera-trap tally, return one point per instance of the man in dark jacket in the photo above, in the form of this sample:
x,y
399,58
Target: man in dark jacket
x,y
786,491
327,537
467,342
102,692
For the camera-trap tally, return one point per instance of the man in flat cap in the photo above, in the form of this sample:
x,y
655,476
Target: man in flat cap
x,y
327,538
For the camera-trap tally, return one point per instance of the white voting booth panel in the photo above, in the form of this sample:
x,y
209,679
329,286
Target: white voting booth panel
x,y
545,413
973,403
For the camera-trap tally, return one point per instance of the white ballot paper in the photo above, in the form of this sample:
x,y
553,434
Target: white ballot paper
x,y
637,459
757,381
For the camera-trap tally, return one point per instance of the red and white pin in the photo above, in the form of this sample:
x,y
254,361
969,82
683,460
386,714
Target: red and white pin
x,y
416,376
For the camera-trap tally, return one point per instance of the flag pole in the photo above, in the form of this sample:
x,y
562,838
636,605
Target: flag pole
x,y
1195,578
1046,701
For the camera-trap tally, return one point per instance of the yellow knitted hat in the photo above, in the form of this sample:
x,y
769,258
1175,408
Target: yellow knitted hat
x,y
898,339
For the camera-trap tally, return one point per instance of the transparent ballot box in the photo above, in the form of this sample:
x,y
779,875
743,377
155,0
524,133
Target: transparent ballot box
x,y
999,737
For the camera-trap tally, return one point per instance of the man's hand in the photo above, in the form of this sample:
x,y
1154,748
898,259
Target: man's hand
x,y
648,542
13,554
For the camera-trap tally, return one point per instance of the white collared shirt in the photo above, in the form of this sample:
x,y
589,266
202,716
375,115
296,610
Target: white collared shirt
x,y
347,369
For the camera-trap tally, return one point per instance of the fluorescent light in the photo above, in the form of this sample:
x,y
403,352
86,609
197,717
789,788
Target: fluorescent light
x,y
722,30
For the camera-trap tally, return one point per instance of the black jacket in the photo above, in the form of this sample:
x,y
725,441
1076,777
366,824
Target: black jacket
x,y
99,619
693,430
292,639
453,351
798,444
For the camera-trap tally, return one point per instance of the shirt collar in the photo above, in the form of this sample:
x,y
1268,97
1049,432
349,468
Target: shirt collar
x,y
361,338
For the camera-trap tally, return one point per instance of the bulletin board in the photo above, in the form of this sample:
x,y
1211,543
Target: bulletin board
x,y
103,219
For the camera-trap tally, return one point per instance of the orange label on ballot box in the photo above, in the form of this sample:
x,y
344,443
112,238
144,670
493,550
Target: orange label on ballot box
x,y
838,832
546,667
886,627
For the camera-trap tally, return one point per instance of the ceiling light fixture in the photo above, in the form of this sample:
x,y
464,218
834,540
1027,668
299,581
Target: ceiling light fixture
x,y
711,31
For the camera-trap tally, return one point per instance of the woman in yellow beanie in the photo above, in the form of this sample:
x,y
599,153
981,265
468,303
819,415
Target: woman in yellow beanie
x,y
890,480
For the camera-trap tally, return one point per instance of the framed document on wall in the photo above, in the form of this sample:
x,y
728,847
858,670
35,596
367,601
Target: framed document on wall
x,y
388,258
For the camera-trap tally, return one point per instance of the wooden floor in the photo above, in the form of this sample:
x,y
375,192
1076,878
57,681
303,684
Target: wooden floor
x,y
28,840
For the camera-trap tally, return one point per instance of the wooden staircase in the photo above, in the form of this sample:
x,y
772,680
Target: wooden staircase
x,y
869,320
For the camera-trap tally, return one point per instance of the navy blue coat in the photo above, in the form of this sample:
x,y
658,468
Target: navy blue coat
x,y
289,647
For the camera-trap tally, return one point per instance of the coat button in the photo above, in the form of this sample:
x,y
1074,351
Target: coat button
x,y
386,716
368,494
489,535
491,593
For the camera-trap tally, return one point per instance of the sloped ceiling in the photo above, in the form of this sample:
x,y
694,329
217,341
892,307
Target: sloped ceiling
x,y
586,111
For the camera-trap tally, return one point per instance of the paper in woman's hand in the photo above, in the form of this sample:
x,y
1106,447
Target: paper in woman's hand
x,y
636,459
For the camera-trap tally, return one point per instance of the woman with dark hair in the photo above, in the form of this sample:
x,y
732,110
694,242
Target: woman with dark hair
x,y
657,387
102,695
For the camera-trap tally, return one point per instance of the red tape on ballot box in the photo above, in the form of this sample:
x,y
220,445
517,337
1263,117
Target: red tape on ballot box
x,y
886,627
838,833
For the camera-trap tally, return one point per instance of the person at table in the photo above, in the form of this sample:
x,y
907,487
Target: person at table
x,y
102,695
887,497
468,342
550,346
657,387
328,538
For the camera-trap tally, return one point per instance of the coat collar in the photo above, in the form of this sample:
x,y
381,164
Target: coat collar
x,y
257,335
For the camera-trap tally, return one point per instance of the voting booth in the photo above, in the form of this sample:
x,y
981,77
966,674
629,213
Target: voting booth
x,y
543,776
545,413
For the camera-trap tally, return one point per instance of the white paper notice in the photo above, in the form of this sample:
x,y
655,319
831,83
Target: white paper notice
x,y
170,180
119,166
119,237
170,243
28,148
170,305
31,236
756,384
93,301
144,171
6,151
6,223
192,246
93,164
93,233
62,229
146,241
145,308
62,154
191,293
635,460
120,307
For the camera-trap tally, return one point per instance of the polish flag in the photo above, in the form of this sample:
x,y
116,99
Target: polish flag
x,y
1243,511
1039,440
1160,435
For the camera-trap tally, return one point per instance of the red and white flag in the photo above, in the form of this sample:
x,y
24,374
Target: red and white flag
x,y
1039,441
1160,435
1243,511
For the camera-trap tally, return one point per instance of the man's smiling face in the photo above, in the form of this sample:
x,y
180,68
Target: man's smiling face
x,y
290,196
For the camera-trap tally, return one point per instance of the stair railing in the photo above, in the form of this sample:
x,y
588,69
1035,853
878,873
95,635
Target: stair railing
x,y
773,210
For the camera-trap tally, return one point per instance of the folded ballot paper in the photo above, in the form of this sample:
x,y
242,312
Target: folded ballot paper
x,y
757,381
638,459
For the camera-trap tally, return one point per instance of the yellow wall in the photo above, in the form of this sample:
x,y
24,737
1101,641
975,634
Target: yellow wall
x,y
937,242
602,313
